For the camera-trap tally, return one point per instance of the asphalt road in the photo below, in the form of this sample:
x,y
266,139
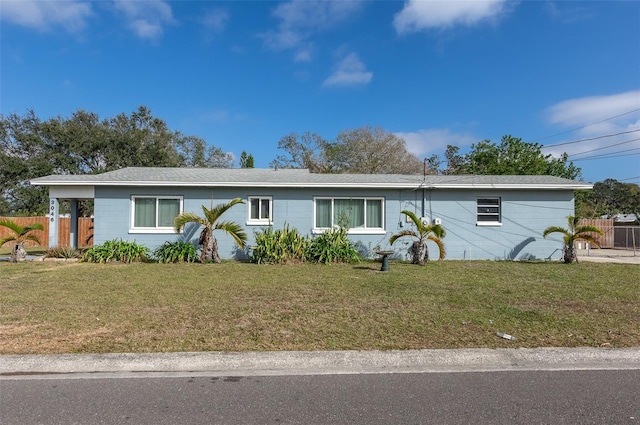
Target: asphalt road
x,y
509,397
477,386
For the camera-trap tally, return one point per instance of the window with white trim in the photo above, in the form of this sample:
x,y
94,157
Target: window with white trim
x,y
260,209
359,215
154,213
488,211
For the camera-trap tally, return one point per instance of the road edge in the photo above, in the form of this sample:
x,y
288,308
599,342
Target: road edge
x,y
322,362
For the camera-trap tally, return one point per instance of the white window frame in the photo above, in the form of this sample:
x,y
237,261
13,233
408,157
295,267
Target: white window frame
x,y
260,221
498,215
156,229
354,230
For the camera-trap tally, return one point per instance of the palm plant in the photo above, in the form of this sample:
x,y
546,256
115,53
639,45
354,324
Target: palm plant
x,y
571,235
422,233
210,222
20,235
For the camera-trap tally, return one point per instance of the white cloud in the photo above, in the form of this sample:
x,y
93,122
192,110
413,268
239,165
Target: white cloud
x,y
419,15
146,18
567,12
45,15
433,140
216,20
299,20
303,55
595,117
349,71
216,116
587,110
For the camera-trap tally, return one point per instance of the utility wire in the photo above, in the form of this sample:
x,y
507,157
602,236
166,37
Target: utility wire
x,y
591,138
604,156
588,125
604,147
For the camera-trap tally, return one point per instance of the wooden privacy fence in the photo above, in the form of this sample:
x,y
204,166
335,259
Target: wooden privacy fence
x,y
606,225
85,230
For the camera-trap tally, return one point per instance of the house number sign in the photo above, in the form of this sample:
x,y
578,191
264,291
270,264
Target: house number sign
x,y
52,210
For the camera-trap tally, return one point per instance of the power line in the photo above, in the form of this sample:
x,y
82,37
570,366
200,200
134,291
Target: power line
x,y
605,156
631,178
591,138
605,147
588,125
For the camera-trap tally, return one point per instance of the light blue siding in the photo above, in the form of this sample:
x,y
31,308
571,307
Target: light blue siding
x,y
525,214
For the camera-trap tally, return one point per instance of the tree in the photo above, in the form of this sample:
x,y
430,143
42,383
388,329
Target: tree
x,y
571,235
194,152
432,164
22,156
422,233
210,223
370,150
512,156
585,206
305,151
86,144
608,198
20,235
455,161
246,161
612,197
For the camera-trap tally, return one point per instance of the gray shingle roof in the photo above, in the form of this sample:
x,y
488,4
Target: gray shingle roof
x,y
268,177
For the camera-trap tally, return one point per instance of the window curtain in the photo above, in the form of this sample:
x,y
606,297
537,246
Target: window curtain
x,y
255,208
145,212
323,213
264,209
349,212
168,210
374,213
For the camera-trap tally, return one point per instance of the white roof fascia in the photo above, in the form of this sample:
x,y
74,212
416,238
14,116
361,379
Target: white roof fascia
x,y
576,186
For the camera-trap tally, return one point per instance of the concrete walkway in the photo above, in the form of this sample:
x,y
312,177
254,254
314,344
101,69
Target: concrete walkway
x,y
619,256
318,362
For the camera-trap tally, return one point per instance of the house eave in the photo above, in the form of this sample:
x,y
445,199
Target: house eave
x,y
349,185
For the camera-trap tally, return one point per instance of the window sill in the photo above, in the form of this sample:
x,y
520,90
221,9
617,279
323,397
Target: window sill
x,y
162,230
488,224
259,223
354,231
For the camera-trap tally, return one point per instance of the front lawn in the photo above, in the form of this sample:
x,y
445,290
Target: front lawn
x,y
63,307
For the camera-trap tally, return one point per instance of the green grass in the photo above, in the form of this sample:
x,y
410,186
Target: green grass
x,y
61,307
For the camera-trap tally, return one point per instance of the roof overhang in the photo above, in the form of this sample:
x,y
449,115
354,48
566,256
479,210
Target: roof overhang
x,y
72,191
56,183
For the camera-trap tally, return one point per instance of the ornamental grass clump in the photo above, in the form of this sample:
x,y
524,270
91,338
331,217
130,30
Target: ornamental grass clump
x,y
279,246
65,252
333,246
176,252
116,250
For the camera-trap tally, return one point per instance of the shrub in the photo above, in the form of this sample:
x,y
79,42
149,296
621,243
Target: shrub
x,y
279,246
63,252
333,246
175,252
116,250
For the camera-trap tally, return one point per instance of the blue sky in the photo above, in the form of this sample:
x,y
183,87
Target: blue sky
x,y
243,74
